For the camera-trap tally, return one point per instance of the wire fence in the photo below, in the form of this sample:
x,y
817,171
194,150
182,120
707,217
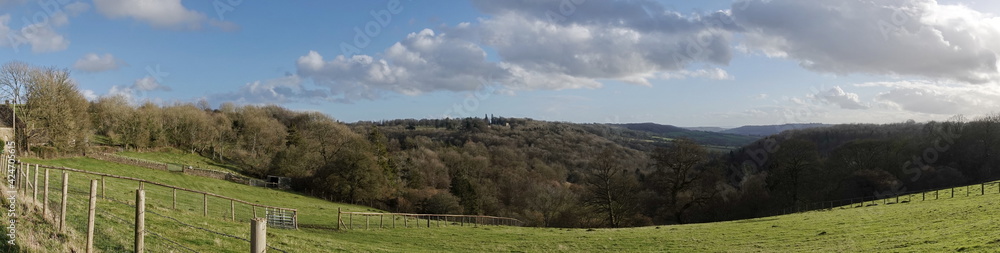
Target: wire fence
x,y
64,200
406,220
896,198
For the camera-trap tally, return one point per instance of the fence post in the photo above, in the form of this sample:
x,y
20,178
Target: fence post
x,y
366,221
173,203
103,192
254,209
232,210
350,223
393,221
62,211
34,192
45,196
204,204
90,216
406,222
339,220
380,221
140,220
982,189
952,192
258,235
428,221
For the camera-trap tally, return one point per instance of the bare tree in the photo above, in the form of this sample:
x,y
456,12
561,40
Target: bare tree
x,y
681,178
14,78
611,188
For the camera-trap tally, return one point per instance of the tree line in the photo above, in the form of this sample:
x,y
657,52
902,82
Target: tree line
x,y
544,173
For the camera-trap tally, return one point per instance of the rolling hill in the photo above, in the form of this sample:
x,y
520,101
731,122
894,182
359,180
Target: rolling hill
x,y
768,130
701,137
955,224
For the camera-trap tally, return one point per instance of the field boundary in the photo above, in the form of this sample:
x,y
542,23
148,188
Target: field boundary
x,y
893,198
279,217
453,219
187,170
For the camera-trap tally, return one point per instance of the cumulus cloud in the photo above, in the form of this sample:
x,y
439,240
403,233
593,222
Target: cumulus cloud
x,y
275,91
937,98
139,88
839,97
98,63
422,62
41,36
895,37
160,14
149,83
629,41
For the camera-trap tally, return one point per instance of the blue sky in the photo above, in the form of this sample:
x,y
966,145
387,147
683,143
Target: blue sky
x,y
686,63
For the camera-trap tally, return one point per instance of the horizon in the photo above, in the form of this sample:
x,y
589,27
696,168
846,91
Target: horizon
x,y
698,64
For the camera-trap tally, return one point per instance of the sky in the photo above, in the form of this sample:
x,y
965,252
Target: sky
x,y
686,63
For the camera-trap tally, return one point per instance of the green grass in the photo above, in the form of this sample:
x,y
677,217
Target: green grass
x,y
944,225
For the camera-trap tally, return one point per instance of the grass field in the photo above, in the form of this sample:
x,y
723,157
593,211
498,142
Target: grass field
x,y
945,225
183,158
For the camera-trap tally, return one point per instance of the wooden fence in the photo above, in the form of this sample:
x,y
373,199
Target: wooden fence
x,y
406,220
278,217
26,184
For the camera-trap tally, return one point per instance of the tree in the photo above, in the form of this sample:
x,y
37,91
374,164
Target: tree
x,y
680,177
57,111
611,189
793,160
14,80
258,138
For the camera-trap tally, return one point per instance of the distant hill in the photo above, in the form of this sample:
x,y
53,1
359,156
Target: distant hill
x,y
771,129
702,137
707,129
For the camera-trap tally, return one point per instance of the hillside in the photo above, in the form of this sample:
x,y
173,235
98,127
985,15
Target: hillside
x,y
952,224
701,137
767,130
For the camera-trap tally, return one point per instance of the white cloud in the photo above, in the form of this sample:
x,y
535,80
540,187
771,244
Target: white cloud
x,y
709,73
601,41
839,97
148,83
423,62
275,91
893,37
90,95
938,98
138,89
98,63
41,36
159,13
625,41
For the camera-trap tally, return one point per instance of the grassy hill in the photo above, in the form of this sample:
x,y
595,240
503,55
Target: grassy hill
x,y
959,224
